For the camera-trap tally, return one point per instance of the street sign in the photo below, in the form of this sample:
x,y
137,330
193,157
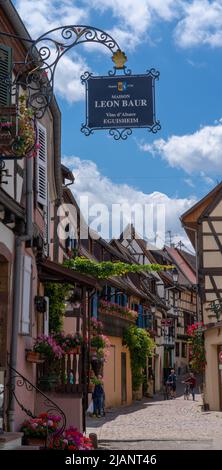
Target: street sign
x,y
120,102
220,356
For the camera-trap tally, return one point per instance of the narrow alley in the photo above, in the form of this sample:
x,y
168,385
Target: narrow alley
x,y
159,424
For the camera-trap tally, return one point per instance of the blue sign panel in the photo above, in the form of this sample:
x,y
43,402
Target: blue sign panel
x,y
120,102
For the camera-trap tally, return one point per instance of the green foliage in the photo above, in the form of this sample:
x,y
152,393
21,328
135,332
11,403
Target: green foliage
x,y
105,269
57,294
96,381
140,345
98,342
197,355
216,308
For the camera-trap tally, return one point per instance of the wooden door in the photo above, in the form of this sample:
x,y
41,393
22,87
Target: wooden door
x,y
123,378
220,374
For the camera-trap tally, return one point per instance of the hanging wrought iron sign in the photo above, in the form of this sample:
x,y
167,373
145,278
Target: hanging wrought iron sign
x,y
115,102
120,103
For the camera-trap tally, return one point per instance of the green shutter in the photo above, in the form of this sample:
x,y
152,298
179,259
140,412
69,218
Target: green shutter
x,y
5,71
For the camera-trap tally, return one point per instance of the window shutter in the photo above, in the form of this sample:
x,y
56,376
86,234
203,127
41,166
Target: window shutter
x,y
5,71
140,316
47,226
46,317
124,300
26,295
42,186
113,295
94,305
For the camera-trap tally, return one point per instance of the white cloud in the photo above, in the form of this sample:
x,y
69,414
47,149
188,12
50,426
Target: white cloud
x,y
207,179
67,81
100,189
135,19
201,24
191,152
189,182
42,16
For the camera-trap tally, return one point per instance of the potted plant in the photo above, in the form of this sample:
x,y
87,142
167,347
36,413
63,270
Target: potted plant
x,y
53,352
36,430
48,346
34,357
98,342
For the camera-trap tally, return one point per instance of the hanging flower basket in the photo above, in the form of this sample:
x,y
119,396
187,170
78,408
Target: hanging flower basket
x,y
35,357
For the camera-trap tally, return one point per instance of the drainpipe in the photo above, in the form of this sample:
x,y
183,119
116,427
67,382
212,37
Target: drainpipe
x,y
17,290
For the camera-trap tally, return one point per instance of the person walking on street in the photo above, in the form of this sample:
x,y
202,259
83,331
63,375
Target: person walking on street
x,y
191,381
172,381
98,397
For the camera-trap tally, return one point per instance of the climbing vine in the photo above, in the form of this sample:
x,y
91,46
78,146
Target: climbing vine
x,y
105,269
140,345
57,294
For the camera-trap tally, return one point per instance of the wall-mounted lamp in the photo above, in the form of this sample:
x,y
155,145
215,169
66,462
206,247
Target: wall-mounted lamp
x,y
175,276
153,309
75,299
40,303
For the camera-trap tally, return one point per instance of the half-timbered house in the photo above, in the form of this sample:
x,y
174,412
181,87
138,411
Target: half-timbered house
x,y
203,225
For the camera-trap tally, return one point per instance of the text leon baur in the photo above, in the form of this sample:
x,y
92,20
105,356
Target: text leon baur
x,y
123,101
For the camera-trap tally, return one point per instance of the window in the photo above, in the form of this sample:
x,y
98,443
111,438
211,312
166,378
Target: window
x,y
187,320
71,241
184,349
177,349
25,321
153,286
5,70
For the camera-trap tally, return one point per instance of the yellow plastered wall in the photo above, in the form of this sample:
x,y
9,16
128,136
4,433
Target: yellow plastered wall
x,y
112,374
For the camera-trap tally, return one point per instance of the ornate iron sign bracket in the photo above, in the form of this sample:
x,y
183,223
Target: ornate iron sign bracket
x,y
37,74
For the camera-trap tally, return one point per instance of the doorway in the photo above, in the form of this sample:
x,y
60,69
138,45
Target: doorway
x,y
123,378
219,351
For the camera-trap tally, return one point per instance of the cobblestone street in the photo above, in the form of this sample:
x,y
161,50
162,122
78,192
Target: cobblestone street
x,y
159,424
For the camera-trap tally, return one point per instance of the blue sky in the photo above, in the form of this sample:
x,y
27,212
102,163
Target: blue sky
x,y
183,40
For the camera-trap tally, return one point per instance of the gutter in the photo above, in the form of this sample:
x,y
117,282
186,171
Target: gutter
x,y
18,271
17,24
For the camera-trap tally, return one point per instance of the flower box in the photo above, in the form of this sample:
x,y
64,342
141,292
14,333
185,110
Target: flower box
x,y
35,441
74,350
34,357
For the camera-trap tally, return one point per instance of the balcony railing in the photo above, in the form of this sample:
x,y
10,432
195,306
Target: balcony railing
x,y
114,325
169,340
64,376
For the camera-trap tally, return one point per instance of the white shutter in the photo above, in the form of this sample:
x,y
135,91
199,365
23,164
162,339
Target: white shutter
x,y
42,185
47,225
46,317
26,295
